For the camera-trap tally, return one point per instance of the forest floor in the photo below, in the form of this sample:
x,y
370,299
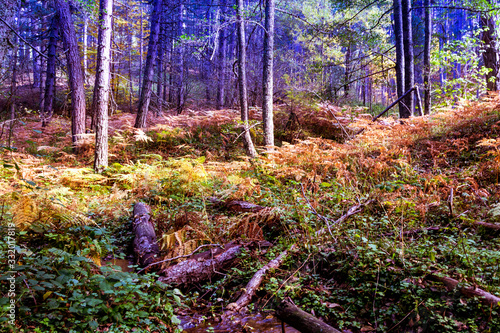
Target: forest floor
x,y
429,185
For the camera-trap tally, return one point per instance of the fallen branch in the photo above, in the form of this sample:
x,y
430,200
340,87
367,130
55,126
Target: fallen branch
x,y
199,268
237,205
484,296
392,104
495,226
414,231
255,282
145,246
301,320
353,210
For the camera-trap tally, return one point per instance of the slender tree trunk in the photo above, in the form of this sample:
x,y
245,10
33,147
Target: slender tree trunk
x,y
50,77
490,56
140,121
267,78
180,62
75,71
101,91
400,55
36,62
160,69
347,74
221,63
85,45
141,48
242,80
130,76
409,101
427,57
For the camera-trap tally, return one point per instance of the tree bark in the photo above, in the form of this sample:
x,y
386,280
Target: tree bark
x,y
50,77
75,71
145,245
101,87
242,79
347,74
409,80
427,57
267,78
180,62
142,113
301,320
400,55
490,56
200,267
221,61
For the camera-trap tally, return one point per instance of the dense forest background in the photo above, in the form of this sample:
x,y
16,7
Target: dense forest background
x,y
336,157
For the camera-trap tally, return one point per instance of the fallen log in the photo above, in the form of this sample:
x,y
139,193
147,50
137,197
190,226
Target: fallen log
x,y
495,226
200,267
255,282
145,246
301,320
450,284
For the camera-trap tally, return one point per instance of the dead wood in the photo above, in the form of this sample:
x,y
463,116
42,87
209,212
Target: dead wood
x,y
414,231
352,211
145,245
472,291
237,205
201,266
488,225
255,282
301,320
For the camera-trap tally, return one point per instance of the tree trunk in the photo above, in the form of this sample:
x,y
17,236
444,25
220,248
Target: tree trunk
x,y
242,80
221,61
50,77
101,87
347,73
180,63
85,45
75,72
267,77
142,113
490,56
409,80
400,55
427,57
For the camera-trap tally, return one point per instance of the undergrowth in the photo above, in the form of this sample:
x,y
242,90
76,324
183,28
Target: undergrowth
x,y
423,184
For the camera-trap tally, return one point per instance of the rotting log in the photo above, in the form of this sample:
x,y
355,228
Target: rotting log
x,y
255,282
301,320
495,226
450,284
200,267
145,245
